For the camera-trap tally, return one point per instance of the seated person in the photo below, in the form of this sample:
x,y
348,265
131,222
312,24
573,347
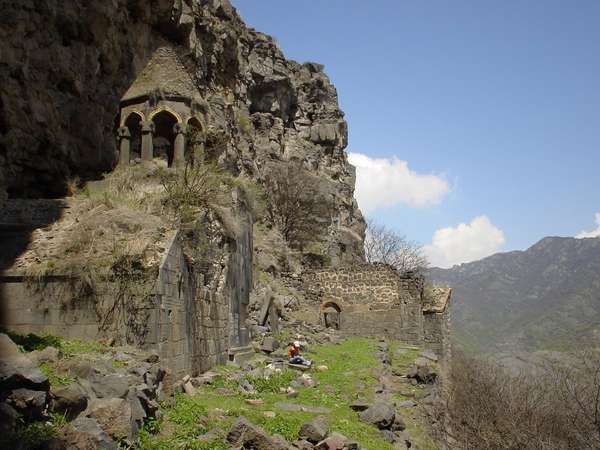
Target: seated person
x,y
294,355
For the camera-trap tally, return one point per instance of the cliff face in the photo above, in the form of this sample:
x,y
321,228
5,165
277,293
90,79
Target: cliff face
x,y
66,65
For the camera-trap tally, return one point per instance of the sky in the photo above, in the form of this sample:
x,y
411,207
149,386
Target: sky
x,y
474,125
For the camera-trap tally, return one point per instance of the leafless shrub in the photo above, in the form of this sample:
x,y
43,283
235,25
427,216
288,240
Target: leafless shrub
x,y
386,246
553,407
294,206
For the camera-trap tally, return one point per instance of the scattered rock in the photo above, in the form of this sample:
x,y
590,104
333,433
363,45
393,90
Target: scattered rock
x,y
114,416
304,408
270,414
315,430
335,441
19,372
406,404
49,354
86,434
244,434
153,358
69,400
8,418
189,388
29,404
359,405
398,424
245,387
111,385
269,345
254,401
212,435
322,368
430,354
8,349
381,415
423,371
291,393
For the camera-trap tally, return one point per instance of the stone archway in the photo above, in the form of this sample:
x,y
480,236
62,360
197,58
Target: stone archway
x,y
165,134
133,124
331,315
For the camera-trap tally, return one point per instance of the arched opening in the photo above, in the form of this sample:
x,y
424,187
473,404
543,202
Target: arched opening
x,y
164,136
331,315
134,123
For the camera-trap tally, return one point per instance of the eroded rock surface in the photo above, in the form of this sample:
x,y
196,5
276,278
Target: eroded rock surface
x,y
66,66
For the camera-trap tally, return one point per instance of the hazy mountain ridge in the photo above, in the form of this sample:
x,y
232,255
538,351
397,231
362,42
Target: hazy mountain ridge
x,y
546,297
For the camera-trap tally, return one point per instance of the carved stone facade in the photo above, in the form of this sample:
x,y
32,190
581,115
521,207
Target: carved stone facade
x,y
376,300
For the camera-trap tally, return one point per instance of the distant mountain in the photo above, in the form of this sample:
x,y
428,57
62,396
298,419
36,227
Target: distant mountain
x,y
544,298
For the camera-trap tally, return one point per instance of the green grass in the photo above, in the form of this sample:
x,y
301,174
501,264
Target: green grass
x,y
28,436
55,379
31,342
352,366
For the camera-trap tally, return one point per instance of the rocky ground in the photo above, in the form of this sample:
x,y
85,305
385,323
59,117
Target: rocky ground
x,y
359,394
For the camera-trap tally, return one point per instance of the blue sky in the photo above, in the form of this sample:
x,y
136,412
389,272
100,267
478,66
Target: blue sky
x,y
500,100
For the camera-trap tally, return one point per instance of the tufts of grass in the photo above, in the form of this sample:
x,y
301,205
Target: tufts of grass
x,y
274,383
67,347
54,377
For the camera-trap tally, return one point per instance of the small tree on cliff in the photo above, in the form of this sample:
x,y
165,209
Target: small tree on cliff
x,y
293,205
386,246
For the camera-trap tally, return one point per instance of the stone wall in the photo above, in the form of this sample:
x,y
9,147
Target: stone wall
x,y
376,300
193,317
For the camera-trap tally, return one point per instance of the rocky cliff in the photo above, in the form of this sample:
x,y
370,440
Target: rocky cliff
x,y
66,65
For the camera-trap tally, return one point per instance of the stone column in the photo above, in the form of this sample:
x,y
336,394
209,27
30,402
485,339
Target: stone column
x,y
179,146
147,135
124,137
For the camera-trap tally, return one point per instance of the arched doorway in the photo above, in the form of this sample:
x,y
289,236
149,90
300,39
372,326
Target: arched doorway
x,y
331,313
134,124
164,136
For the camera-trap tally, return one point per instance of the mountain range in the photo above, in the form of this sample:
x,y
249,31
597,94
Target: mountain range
x,y
544,298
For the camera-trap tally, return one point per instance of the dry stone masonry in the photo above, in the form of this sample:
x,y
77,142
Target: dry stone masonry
x,y
376,300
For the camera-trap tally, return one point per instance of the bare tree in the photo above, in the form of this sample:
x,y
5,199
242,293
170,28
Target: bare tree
x,y
386,246
294,206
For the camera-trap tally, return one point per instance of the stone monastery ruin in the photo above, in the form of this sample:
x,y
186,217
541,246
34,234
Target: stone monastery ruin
x,y
275,114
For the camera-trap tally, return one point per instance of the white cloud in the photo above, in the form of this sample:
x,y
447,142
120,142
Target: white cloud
x,y
381,183
464,243
593,233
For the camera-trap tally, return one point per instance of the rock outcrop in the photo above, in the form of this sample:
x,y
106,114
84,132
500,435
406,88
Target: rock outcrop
x,y
67,65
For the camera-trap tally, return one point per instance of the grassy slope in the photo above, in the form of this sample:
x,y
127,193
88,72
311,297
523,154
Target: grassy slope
x,y
352,372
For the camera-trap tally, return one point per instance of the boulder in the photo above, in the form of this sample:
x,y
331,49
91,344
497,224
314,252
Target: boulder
x,y
68,400
8,349
49,354
423,371
111,385
315,430
430,355
19,372
381,415
86,434
335,441
359,405
114,416
29,404
244,434
269,345
8,418
398,424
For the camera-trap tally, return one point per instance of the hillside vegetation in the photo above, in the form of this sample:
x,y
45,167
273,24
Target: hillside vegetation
x,y
544,298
